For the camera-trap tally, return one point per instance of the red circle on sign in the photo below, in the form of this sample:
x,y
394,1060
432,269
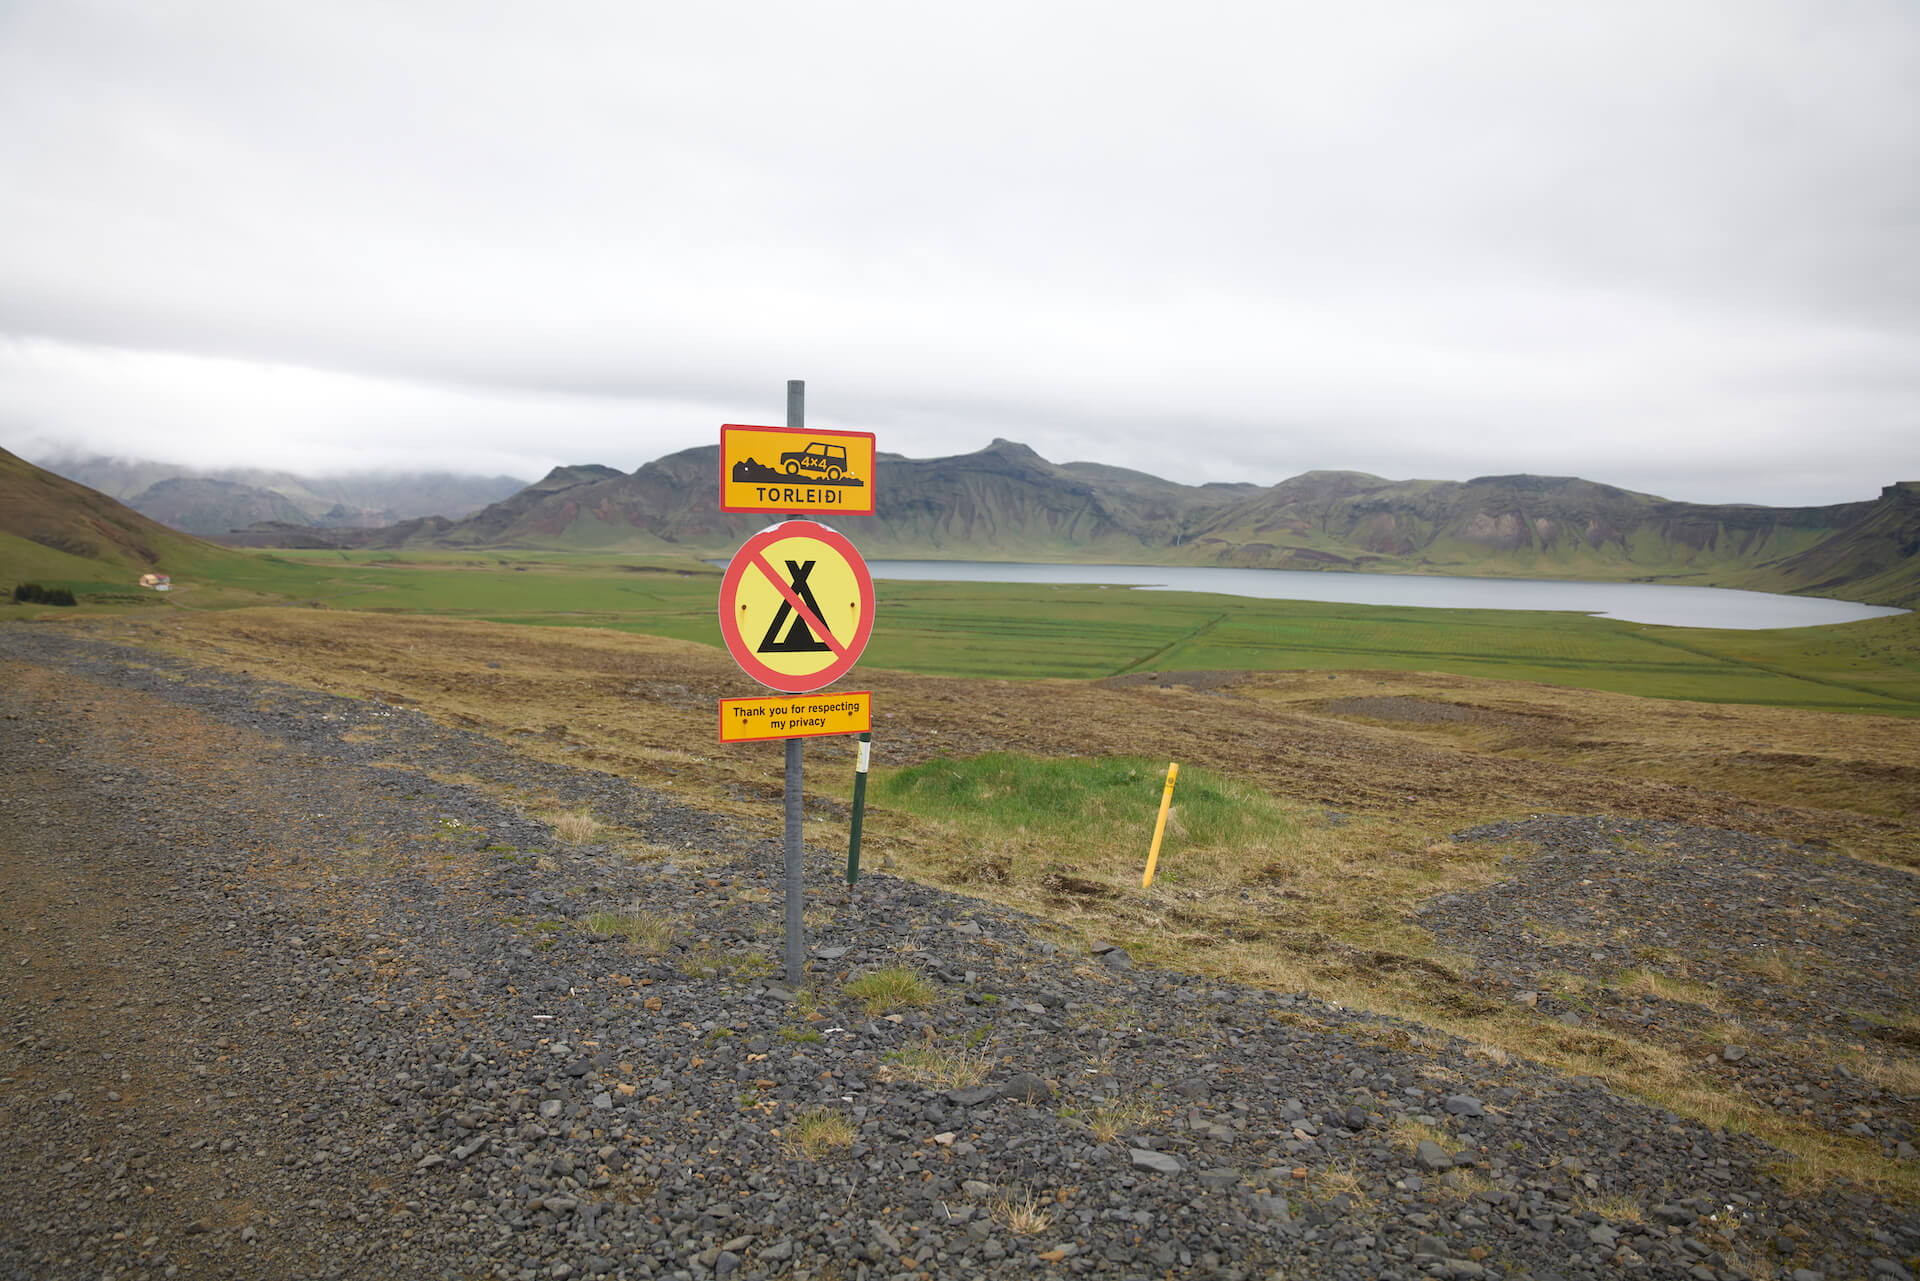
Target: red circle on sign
x,y
772,615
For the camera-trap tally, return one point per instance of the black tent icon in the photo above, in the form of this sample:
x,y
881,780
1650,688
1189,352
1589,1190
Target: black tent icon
x,y
800,638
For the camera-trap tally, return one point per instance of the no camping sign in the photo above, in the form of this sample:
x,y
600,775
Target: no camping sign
x,y
796,606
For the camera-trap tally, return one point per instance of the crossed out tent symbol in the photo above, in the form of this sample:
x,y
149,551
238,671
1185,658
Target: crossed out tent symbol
x,y
796,606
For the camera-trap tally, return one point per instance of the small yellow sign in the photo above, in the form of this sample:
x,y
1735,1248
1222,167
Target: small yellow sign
x,y
747,720
788,469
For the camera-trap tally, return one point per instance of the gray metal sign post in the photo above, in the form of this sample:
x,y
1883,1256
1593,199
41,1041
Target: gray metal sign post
x,y
796,884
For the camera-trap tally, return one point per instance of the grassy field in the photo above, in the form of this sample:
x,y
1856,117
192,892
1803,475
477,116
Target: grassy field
x,y
1028,631
1022,733
1312,818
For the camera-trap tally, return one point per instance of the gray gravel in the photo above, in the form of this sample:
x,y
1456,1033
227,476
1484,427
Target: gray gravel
x,y
1809,952
293,989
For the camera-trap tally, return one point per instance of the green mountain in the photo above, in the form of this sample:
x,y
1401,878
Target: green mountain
x,y
59,532
1875,559
1004,502
1540,526
1565,527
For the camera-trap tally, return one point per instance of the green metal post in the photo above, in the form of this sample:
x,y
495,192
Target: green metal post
x,y
859,807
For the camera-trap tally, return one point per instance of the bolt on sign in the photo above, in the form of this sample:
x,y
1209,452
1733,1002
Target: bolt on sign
x,y
788,469
746,720
796,607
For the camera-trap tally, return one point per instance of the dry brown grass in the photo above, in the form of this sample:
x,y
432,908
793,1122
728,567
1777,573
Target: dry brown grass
x,y
1895,1074
1494,1054
1024,1213
575,827
650,932
1342,1180
1649,982
1107,1121
945,1067
1782,756
1614,1207
1408,1134
818,1132
548,689
1459,1185
1776,966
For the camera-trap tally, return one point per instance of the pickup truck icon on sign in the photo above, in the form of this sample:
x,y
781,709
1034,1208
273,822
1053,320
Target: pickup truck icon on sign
x,y
816,460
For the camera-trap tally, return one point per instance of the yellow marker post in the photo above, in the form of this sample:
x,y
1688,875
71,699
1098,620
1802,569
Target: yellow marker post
x,y
1160,827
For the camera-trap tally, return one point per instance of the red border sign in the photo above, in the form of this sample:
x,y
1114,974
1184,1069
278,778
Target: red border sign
x,y
788,469
751,570
772,716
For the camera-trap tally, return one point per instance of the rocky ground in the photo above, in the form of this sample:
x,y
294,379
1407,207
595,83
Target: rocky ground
x,y
297,985
1708,938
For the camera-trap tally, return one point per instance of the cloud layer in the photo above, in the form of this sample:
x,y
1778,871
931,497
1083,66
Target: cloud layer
x,y
1670,247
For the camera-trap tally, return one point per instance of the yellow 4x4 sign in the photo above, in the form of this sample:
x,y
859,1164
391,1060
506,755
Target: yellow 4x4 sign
x,y
787,469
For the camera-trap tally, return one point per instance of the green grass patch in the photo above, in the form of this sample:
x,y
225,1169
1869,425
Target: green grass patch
x,y
1109,1119
819,1132
891,987
944,1067
649,931
1085,808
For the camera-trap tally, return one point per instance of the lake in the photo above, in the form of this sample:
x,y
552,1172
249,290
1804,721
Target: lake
x,y
1655,604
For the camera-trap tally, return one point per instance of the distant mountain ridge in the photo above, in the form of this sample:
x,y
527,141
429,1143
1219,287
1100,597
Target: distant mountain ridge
x,y
1006,502
1543,522
212,503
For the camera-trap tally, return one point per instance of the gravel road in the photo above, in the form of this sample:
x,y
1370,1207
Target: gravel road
x,y
295,987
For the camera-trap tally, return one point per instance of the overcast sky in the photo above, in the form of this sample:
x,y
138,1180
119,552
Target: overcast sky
x,y
1673,246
